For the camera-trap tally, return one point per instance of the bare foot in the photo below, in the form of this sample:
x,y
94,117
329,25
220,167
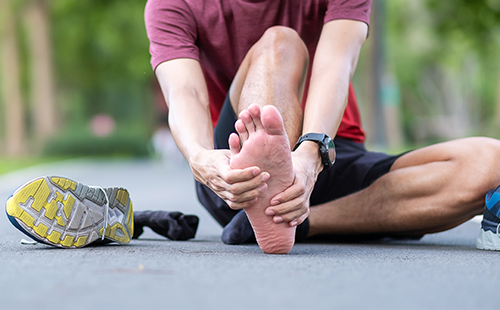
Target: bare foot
x,y
265,144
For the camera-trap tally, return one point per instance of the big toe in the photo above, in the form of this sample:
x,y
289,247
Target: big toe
x,y
272,120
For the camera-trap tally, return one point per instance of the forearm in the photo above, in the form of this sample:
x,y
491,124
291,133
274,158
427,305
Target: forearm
x,y
191,125
327,98
192,129
334,64
324,110
190,121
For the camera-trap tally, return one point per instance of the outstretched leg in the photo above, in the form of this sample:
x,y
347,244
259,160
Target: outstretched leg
x,y
427,190
265,144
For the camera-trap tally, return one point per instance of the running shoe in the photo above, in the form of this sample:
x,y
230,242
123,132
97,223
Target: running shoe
x,y
61,212
489,237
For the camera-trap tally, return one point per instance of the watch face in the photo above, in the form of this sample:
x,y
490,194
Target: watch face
x,y
331,151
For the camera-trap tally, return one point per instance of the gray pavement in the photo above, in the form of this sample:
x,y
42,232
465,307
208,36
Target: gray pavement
x,y
441,271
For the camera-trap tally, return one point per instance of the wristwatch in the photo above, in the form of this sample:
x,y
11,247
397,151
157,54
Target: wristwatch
x,y
326,147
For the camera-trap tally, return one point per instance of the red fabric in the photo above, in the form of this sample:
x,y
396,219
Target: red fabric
x,y
219,33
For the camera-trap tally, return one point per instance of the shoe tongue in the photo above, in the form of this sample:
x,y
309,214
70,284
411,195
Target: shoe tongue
x,y
492,192
492,199
489,194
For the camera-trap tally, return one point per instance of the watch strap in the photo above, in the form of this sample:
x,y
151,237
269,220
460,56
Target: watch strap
x,y
316,137
322,140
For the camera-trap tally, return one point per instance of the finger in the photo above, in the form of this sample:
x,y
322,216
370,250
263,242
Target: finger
x,y
247,120
246,195
234,144
233,176
242,187
286,207
254,111
290,216
289,194
299,221
292,206
241,205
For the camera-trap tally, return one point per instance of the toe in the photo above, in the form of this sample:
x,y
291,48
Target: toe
x,y
254,111
234,144
242,130
272,120
247,120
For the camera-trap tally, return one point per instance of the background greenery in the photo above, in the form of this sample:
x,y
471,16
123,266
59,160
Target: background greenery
x,y
445,56
441,65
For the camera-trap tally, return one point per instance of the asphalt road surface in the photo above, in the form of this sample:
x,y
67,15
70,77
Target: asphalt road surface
x,y
441,271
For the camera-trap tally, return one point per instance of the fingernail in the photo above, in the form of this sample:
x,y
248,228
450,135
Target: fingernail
x,y
269,212
265,176
275,202
256,172
263,187
278,219
294,223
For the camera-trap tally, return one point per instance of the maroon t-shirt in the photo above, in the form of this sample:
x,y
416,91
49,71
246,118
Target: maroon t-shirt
x,y
219,33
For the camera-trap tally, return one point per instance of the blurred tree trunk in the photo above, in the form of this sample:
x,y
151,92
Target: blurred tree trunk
x,y
376,61
42,83
11,88
384,123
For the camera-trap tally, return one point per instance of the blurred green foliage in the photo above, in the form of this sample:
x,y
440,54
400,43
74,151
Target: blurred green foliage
x,y
476,20
101,58
445,55
130,140
102,65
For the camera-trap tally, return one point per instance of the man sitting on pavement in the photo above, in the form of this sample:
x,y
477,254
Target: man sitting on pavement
x,y
219,59
255,90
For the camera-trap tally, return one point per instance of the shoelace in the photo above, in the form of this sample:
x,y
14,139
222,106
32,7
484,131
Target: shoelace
x,y
106,211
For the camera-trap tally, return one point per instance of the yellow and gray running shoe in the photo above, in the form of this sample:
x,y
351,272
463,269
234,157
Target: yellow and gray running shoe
x,y
67,214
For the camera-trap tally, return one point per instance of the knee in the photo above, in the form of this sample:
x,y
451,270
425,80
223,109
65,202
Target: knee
x,y
280,43
479,158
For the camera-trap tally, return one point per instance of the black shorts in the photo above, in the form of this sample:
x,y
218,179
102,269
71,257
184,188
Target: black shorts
x,y
355,168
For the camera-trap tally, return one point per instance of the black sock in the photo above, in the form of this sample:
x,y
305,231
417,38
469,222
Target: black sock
x,y
173,225
302,231
239,230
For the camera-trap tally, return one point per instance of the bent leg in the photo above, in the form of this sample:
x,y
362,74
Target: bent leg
x,y
266,90
274,72
428,190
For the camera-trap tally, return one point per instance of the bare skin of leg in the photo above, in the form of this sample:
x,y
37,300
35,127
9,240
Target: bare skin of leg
x,y
266,90
274,72
426,191
263,132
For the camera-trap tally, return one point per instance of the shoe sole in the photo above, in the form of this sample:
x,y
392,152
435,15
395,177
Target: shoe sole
x,y
67,214
488,240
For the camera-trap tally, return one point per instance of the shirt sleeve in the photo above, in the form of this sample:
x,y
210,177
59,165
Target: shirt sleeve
x,y
171,30
348,9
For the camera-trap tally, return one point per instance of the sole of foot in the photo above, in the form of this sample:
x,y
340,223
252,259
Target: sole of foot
x,y
265,144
